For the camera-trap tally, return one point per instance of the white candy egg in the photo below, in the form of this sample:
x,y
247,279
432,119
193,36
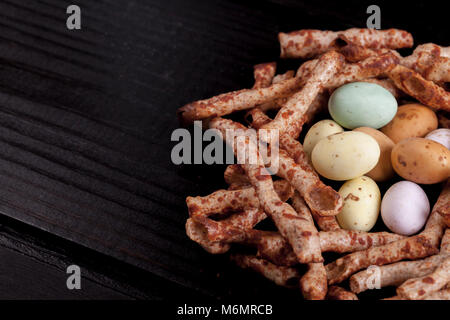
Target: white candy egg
x,y
441,136
405,208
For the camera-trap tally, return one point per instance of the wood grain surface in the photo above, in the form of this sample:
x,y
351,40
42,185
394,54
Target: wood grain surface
x,y
85,124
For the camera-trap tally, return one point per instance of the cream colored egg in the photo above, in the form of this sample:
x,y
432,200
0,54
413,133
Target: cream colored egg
x,y
362,200
346,155
317,132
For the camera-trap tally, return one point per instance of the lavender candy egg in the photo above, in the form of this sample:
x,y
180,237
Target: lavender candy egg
x,y
441,136
405,208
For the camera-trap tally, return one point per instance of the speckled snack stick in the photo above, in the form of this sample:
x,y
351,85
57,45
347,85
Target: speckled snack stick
x,y
310,241
418,288
389,85
355,53
226,201
313,283
439,71
339,293
237,100
427,92
395,274
284,216
309,43
444,211
271,245
431,61
232,229
377,39
302,176
282,276
289,116
197,233
214,235
277,103
235,176
256,117
422,245
439,295
321,199
371,67
263,74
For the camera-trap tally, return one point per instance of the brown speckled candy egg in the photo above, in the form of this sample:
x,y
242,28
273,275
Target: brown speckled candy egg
x,y
421,160
411,120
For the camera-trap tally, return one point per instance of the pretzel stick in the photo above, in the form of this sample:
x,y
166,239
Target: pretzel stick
x,y
422,245
418,288
225,201
263,74
289,116
338,293
282,276
227,103
427,92
284,216
309,43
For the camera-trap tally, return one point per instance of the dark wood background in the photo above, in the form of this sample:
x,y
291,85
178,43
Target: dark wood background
x,y
85,124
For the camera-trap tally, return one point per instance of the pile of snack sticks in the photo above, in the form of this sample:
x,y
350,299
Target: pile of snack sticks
x,y
301,206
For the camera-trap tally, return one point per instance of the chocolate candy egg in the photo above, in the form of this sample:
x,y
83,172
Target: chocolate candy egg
x,y
345,155
440,135
362,104
361,204
421,160
318,131
411,120
405,208
383,170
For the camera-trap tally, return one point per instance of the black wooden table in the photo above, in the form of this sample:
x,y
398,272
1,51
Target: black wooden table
x,y
85,123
